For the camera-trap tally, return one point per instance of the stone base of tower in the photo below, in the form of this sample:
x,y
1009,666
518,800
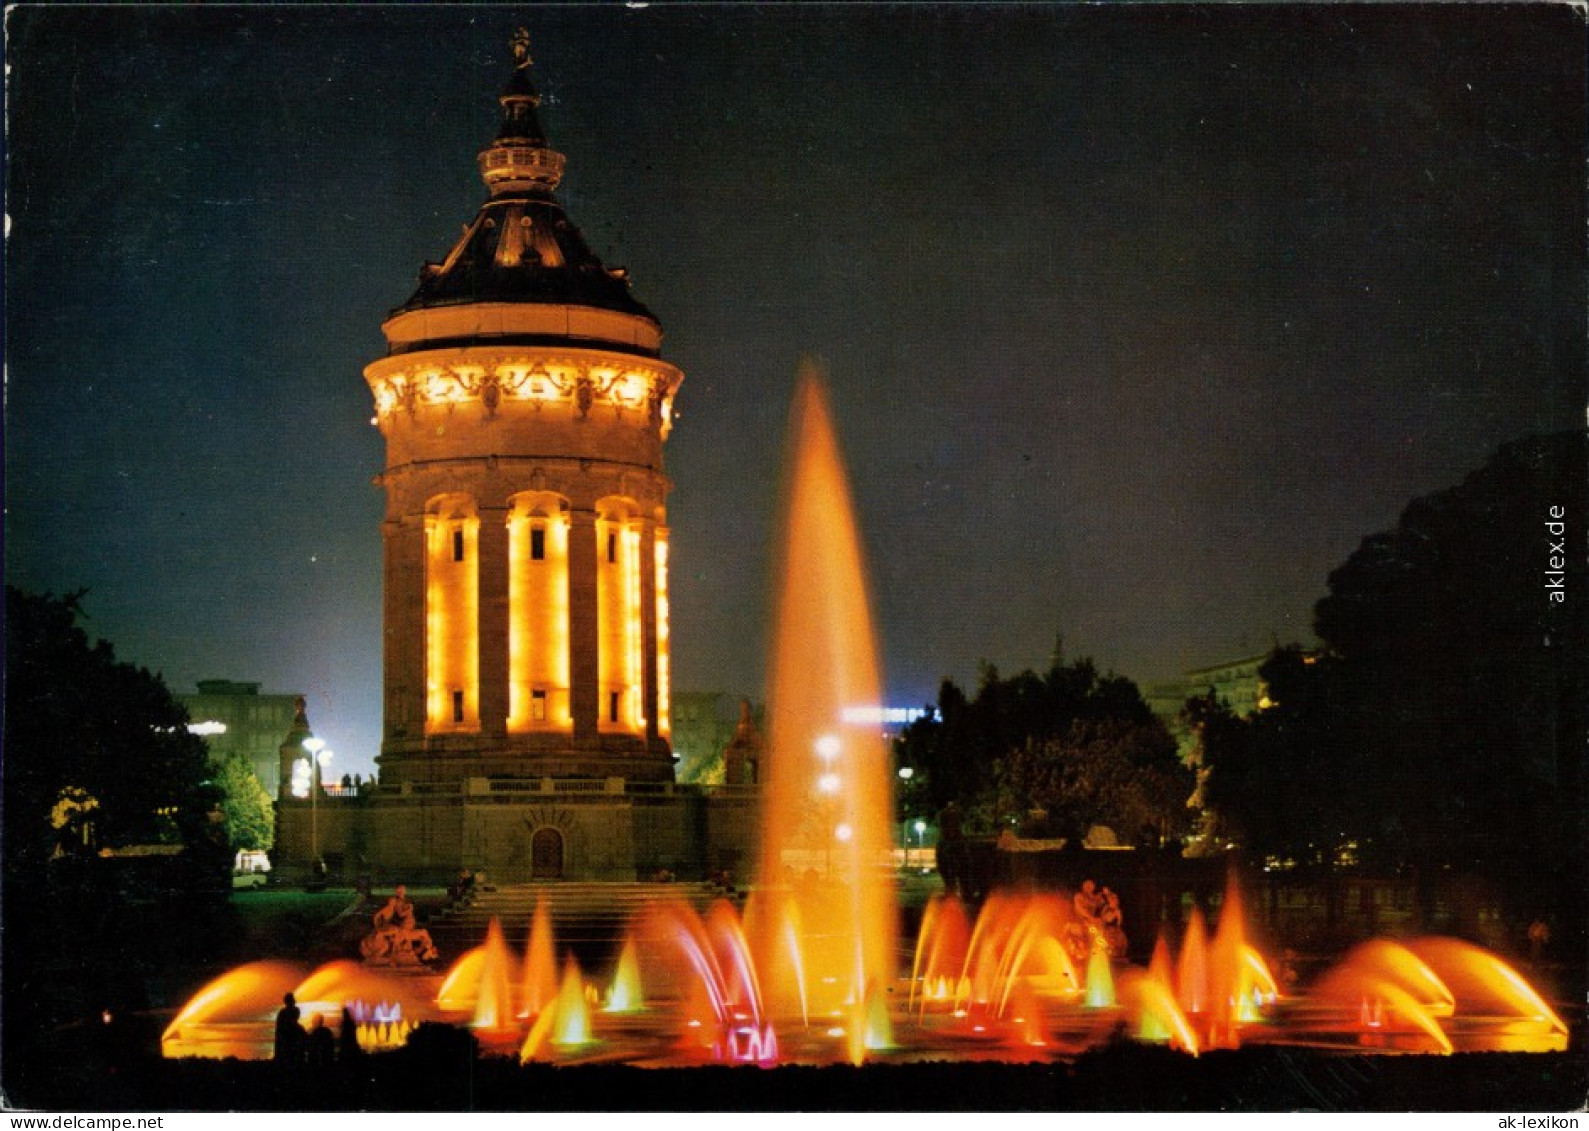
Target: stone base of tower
x,y
437,759
521,830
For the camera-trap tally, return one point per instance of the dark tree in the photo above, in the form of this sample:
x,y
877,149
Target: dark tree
x,y
1082,747
77,718
1110,771
1467,655
97,756
1287,782
1442,731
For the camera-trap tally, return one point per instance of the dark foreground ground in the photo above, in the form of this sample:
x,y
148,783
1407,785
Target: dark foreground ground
x,y
441,1071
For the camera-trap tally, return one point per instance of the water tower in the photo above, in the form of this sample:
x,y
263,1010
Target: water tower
x,y
524,404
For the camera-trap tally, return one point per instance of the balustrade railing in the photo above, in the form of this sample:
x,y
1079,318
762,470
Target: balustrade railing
x,y
537,786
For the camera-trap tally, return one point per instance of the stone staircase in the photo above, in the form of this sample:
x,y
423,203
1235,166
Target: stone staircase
x,y
587,917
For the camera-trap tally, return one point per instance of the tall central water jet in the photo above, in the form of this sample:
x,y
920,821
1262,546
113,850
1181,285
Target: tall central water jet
x,y
826,783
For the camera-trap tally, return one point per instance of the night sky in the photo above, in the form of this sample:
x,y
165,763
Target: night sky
x,y
1137,319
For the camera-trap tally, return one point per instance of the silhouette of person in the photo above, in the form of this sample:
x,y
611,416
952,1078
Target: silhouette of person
x,y
348,1048
322,1046
289,1033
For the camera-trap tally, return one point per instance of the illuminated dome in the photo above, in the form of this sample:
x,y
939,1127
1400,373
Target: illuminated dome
x,y
521,248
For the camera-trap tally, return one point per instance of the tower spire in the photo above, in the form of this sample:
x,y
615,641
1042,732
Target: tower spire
x,y
520,160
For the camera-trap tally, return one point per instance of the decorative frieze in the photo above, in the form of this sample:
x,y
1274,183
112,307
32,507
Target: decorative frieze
x,y
408,384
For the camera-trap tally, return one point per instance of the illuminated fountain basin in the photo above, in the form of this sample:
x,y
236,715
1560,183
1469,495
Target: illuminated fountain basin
x,y
811,970
234,1015
1004,985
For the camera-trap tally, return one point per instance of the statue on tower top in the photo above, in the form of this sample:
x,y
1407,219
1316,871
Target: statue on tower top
x,y
521,48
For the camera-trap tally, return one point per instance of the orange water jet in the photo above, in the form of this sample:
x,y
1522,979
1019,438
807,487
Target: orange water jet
x,y
1478,978
826,804
539,984
461,986
1191,972
493,1008
1226,969
941,946
1395,994
1159,1015
251,990
625,995
1100,980
345,982
565,1021
1159,967
573,1010
1391,962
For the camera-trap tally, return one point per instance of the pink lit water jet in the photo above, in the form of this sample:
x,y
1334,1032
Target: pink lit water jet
x,y
724,1014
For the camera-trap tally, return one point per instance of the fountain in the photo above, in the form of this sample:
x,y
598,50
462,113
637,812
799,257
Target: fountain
x,y
826,802
810,972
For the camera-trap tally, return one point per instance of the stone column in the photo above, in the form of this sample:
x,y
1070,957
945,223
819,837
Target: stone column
x,y
583,627
403,648
493,627
648,629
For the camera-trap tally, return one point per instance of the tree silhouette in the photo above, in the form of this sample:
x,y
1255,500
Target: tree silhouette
x,y
1081,746
77,718
1443,729
97,756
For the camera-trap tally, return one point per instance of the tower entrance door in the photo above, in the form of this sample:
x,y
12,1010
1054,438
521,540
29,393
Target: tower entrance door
x,y
546,854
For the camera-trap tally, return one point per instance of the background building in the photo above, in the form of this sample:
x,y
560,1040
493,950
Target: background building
x,y
1236,682
704,723
234,716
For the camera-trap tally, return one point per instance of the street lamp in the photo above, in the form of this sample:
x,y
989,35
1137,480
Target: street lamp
x,y
905,774
921,829
319,757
